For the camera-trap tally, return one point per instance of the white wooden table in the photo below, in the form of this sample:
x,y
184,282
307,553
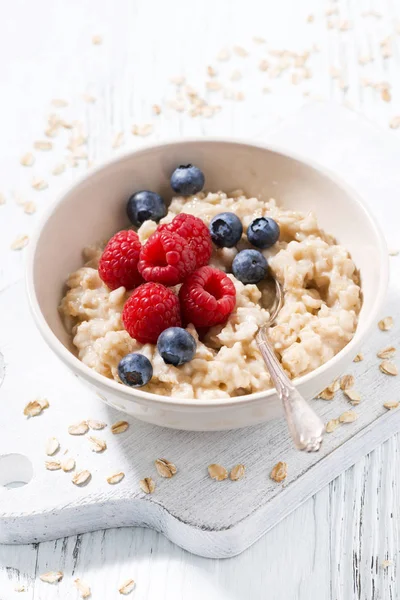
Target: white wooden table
x,y
334,545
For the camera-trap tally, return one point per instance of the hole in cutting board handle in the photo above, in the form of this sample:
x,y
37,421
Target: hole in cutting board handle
x,y
16,470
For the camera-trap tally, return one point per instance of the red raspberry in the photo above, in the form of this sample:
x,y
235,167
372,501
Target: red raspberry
x,y
166,258
151,308
207,297
119,262
195,231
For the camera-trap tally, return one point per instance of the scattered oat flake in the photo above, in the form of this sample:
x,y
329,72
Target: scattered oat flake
x,y
2,199
83,588
43,145
59,103
29,208
386,563
97,39
19,588
279,472
52,465
344,26
263,65
348,416
388,368
224,54
32,409
142,130
346,382
386,324
310,19
127,587
371,13
387,352
78,428
165,468
115,478
259,40
211,72
27,159
213,86
326,394
88,98
52,576
20,242
239,51
393,252
359,357
39,184
96,444
334,386
81,477
353,396
58,169
394,123
156,108
237,472
96,425
119,427
386,95
217,472
147,485
332,425
68,465
391,404
52,445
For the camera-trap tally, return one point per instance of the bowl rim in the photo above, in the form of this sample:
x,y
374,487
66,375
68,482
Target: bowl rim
x,y
147,398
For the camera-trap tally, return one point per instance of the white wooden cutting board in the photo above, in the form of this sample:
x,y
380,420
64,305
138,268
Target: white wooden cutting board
x,y
213,519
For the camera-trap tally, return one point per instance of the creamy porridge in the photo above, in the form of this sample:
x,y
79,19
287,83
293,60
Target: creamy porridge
x,y
318,318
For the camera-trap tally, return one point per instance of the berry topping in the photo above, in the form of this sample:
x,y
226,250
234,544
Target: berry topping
x,y
166,258
226,230
207,297
150,309
145,205
187,180
263,232
135,370
249,266
196,233
176,346
118,264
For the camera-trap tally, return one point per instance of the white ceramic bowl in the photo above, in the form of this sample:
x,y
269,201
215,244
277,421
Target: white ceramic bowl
x,y
94,209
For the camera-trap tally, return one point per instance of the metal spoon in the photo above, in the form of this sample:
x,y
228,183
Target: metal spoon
x,y
305,427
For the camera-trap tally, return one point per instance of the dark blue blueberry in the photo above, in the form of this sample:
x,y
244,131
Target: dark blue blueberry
x,y
176,346
249,266
187,180
135,370
226,230
263,232
145,205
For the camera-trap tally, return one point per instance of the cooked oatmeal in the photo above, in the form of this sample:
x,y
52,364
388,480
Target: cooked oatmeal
x,y
318,317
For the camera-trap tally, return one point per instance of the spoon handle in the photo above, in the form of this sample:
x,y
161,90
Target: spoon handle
x,y
305,427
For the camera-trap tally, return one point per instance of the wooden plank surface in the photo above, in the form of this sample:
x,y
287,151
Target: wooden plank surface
x,y
334,545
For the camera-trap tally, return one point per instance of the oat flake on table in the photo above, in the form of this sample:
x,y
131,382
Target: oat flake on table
x,y
52,465
35,407
237,472
51,576
81,477
20,242
388,368
83,588
119,427
52,445
43,145
96,444
279,472
332,425
386,324
387,352
115,478
39,184
147,485
68,465
348,416
78,428
165,468
96,425
391,405
217,472
127,587
27,159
